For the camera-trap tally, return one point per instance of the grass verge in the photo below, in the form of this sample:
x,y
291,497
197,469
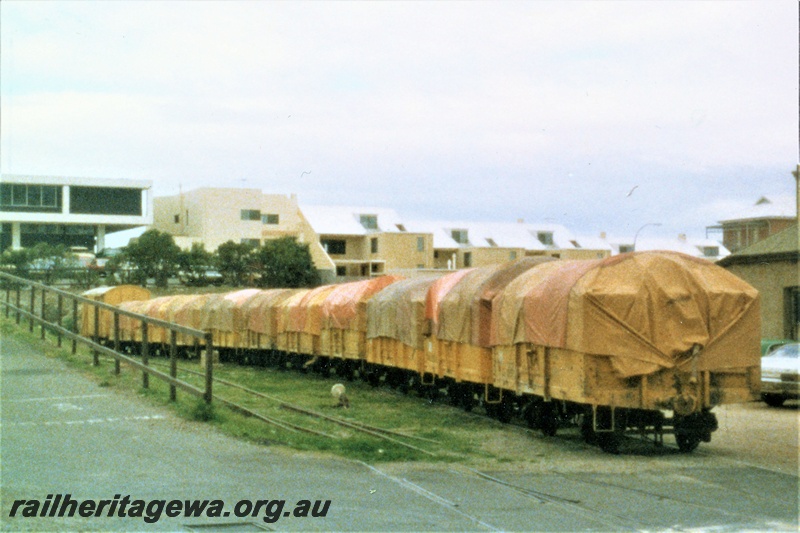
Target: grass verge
x,y
433,432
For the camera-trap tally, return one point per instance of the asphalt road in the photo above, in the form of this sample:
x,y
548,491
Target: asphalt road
x,y
62,434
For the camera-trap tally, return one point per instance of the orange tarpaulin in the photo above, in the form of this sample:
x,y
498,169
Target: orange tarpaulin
x,y
305,313
465,312
262,310
647,311
346,306
439,289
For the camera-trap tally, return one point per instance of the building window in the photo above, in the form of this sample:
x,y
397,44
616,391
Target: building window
x,y
255,243
710,251
545,237
420,244
105,201
460,236
468,259
334,246
270,219
512,256
625,248
177,219
400,227
251,214
33,197
369,221
341,270
491,242
373,245
375,268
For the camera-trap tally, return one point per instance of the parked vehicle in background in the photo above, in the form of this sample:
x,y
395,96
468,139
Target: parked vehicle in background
x,y
780,375
200,277
768,345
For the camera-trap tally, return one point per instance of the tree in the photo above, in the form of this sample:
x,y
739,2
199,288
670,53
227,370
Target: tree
x,y
153,255
235,262
194,264
286,263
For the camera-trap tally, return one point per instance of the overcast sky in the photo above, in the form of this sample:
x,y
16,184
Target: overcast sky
x,y
596,115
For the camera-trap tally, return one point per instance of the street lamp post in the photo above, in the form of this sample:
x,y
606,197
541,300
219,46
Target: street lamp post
x,y
640,229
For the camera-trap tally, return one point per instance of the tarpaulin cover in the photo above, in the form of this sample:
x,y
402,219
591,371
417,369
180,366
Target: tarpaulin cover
x,y
465,312
262,310
191,313
225,314
648,311
117,294
438,291
305,313
398,311
287,307
346,306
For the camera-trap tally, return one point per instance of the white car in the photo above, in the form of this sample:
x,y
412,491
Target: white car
x,y
780,375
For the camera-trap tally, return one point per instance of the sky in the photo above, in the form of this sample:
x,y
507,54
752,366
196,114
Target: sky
x,y
601,116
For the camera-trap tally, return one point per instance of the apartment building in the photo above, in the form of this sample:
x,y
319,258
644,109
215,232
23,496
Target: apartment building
x,y
355,242
766,217
76,212
369,241
475,244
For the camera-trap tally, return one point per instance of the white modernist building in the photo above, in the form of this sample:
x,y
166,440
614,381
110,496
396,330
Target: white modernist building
x,y
70,211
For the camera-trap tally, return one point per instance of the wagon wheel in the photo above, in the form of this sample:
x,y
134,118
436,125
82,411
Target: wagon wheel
x,y
607,419
773,400
687,441
505,409
468,401
587,431
548,420
691,429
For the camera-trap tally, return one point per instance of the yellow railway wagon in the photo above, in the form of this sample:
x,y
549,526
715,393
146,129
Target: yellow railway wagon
x,y
343,334
110,295
397,328
461,332
226,319
634,333
262,312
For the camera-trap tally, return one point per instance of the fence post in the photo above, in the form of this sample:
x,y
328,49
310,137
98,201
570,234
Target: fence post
x,y
96,336
145,356
173,362
59,311
74,325
41,308
32,308
116,342
209,368
19,290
